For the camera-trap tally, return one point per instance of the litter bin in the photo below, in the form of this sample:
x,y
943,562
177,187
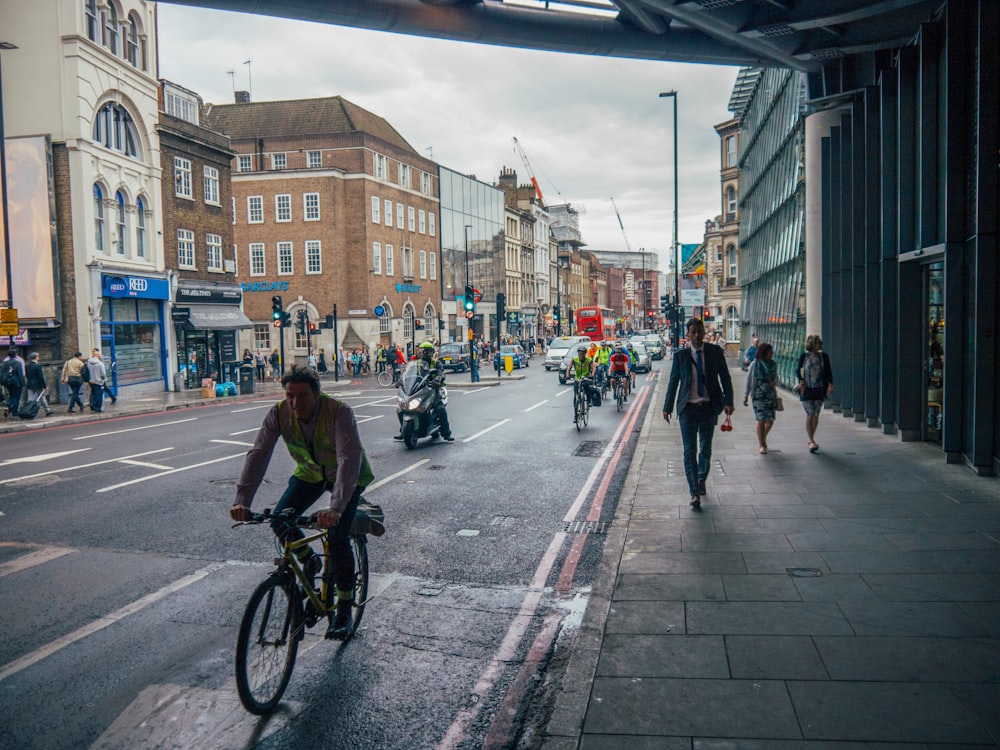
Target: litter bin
x,y
246,379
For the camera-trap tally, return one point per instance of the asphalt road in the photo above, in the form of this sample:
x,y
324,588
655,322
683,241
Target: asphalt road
x,y
122,583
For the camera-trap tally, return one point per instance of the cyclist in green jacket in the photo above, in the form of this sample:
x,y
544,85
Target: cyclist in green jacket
x,y
321,435
580,367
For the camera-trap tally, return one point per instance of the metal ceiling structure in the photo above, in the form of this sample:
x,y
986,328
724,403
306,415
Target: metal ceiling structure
x,y
804,35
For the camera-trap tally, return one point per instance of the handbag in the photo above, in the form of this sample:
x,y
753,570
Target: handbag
x,y
779,405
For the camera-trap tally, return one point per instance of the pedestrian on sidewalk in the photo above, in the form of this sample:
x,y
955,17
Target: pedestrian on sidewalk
x,y
35,377
98,378
702,388
275,361
321,363
71,377
815,384
761,388
12,378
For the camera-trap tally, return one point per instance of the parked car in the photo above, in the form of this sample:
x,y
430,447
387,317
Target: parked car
x,y
454,357
641,362
558,348
511,350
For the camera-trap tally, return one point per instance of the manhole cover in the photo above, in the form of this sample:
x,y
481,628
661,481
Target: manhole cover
x,y
590,448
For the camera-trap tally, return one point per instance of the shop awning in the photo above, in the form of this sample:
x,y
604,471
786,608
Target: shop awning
x,y
218,318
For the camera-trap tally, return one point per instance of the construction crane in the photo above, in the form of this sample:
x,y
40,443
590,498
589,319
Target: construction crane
x,y
627,246
531,172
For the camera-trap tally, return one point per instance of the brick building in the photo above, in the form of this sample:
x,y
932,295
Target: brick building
x,y
333,209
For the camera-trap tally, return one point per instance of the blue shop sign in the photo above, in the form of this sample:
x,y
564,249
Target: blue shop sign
x,y
411,288
138,287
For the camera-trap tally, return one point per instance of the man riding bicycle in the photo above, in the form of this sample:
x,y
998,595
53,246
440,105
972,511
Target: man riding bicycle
x,y
321,435
603,355
581,366
620,367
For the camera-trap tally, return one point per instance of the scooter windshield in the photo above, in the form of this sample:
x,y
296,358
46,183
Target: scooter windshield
x,y
413,377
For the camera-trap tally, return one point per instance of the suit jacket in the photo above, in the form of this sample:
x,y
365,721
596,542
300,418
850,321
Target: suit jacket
x,y
718,381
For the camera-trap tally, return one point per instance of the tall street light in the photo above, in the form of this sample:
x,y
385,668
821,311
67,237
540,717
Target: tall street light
x,y
677,249
3,193
472,354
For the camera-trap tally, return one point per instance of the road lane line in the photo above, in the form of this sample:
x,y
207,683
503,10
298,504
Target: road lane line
x,y
483,432
99,624
536,405
82,466
268,405
32,559
41,457
147,464
564,392
244,432
407,470
474,390
231,442
171,471
368,419
136,429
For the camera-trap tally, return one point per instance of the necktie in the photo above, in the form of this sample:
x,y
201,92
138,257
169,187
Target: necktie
x,y
701,373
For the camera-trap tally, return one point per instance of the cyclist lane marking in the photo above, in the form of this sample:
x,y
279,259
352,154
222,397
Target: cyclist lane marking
x,y
82,466
483,432
375,485
146,464
111,618
41,457
231,442
136,429
31,559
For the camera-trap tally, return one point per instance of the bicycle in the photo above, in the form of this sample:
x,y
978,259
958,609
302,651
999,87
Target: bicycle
x,y
619,387
286,603
581,403
388,377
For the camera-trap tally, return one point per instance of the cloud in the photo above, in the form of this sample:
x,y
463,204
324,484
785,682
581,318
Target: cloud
x,y
592,127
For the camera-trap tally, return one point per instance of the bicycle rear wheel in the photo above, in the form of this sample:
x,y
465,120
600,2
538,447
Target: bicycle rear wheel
x,y
359,543
267,644
384,378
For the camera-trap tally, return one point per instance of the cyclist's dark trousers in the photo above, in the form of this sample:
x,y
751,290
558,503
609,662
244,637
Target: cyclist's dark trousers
x,y
300,495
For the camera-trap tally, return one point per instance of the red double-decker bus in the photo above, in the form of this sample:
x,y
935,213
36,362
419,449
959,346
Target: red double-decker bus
x,y
597,323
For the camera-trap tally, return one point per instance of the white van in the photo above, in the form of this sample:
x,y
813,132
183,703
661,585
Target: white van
x,y
558,348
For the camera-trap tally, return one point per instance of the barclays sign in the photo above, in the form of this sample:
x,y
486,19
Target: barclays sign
x,y
138,287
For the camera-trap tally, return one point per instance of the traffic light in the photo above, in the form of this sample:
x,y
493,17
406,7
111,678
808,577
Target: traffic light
x,y
312,328
665,304
302,321
286,320
555,314
469,303
277,310
501,307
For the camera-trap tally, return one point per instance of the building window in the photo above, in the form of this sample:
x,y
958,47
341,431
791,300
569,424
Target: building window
x,y
232,208
731,151
404,175
377,258
211,185
99,233
283,208
399,215
380,167
376,213
407,262
388,213
732,325
132,42
430,319
411,219
409,313
423,264
181,106
310,206
112,28
122,236
389,269
255,209
434,266
422,218
185,248
425,183
213,252
731,201
90,10
182,177
262,337
244,163
314,260
257,263
731,260
140,228
278,161
114,129
314,159
285,264
385,320
430,224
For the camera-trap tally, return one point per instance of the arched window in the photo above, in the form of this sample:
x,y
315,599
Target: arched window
x,y
120,222
93,25
140,228
732,325
114,128
731,200
132,41
99,219
430,321
112,28
385,320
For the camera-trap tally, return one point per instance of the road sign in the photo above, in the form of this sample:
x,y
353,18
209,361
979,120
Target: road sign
x,y
477,295
470,314
8,321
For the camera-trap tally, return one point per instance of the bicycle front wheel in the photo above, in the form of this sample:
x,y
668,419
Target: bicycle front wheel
x,y
384,378
267,644
360,547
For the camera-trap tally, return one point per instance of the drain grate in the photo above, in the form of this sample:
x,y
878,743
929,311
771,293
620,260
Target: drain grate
x,y
590,448
502,521
436,467
587,527
804,572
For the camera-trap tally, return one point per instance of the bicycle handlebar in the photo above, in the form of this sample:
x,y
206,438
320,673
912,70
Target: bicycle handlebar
x,y
287,517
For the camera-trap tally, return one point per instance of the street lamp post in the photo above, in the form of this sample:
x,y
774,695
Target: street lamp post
x,y
468,321
8,269
677,250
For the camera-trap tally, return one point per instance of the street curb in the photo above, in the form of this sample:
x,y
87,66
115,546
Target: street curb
x,y
565,726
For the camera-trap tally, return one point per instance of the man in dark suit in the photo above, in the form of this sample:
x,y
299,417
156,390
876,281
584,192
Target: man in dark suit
x,y
702,387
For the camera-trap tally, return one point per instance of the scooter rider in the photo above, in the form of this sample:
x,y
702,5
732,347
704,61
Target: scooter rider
x,y
425,355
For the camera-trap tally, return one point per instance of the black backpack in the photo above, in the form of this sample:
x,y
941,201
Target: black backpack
x,y
10,374
85,372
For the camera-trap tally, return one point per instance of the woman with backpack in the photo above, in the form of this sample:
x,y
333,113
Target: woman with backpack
x,y
815,384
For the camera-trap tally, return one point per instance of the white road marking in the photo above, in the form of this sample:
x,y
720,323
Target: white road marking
x,y
171,471
471,390
564,392
32,559
119,614
536,405
136,429
41,457
483,432
82,466
253,408
232,442
368,419
244,432
407,470
147,464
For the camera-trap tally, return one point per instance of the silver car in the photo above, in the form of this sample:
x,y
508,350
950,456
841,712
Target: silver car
x,y
640,362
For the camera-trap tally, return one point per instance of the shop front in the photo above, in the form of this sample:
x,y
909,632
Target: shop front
x,y
132,333
206,317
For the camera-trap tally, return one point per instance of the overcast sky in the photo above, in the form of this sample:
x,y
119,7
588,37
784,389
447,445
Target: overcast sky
x,y
593,128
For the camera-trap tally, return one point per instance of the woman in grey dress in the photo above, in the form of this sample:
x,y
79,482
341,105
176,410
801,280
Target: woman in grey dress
x,y
761,388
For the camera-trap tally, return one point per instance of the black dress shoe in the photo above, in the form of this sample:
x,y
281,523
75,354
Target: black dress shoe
x,y
114,400
448,439
701,487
